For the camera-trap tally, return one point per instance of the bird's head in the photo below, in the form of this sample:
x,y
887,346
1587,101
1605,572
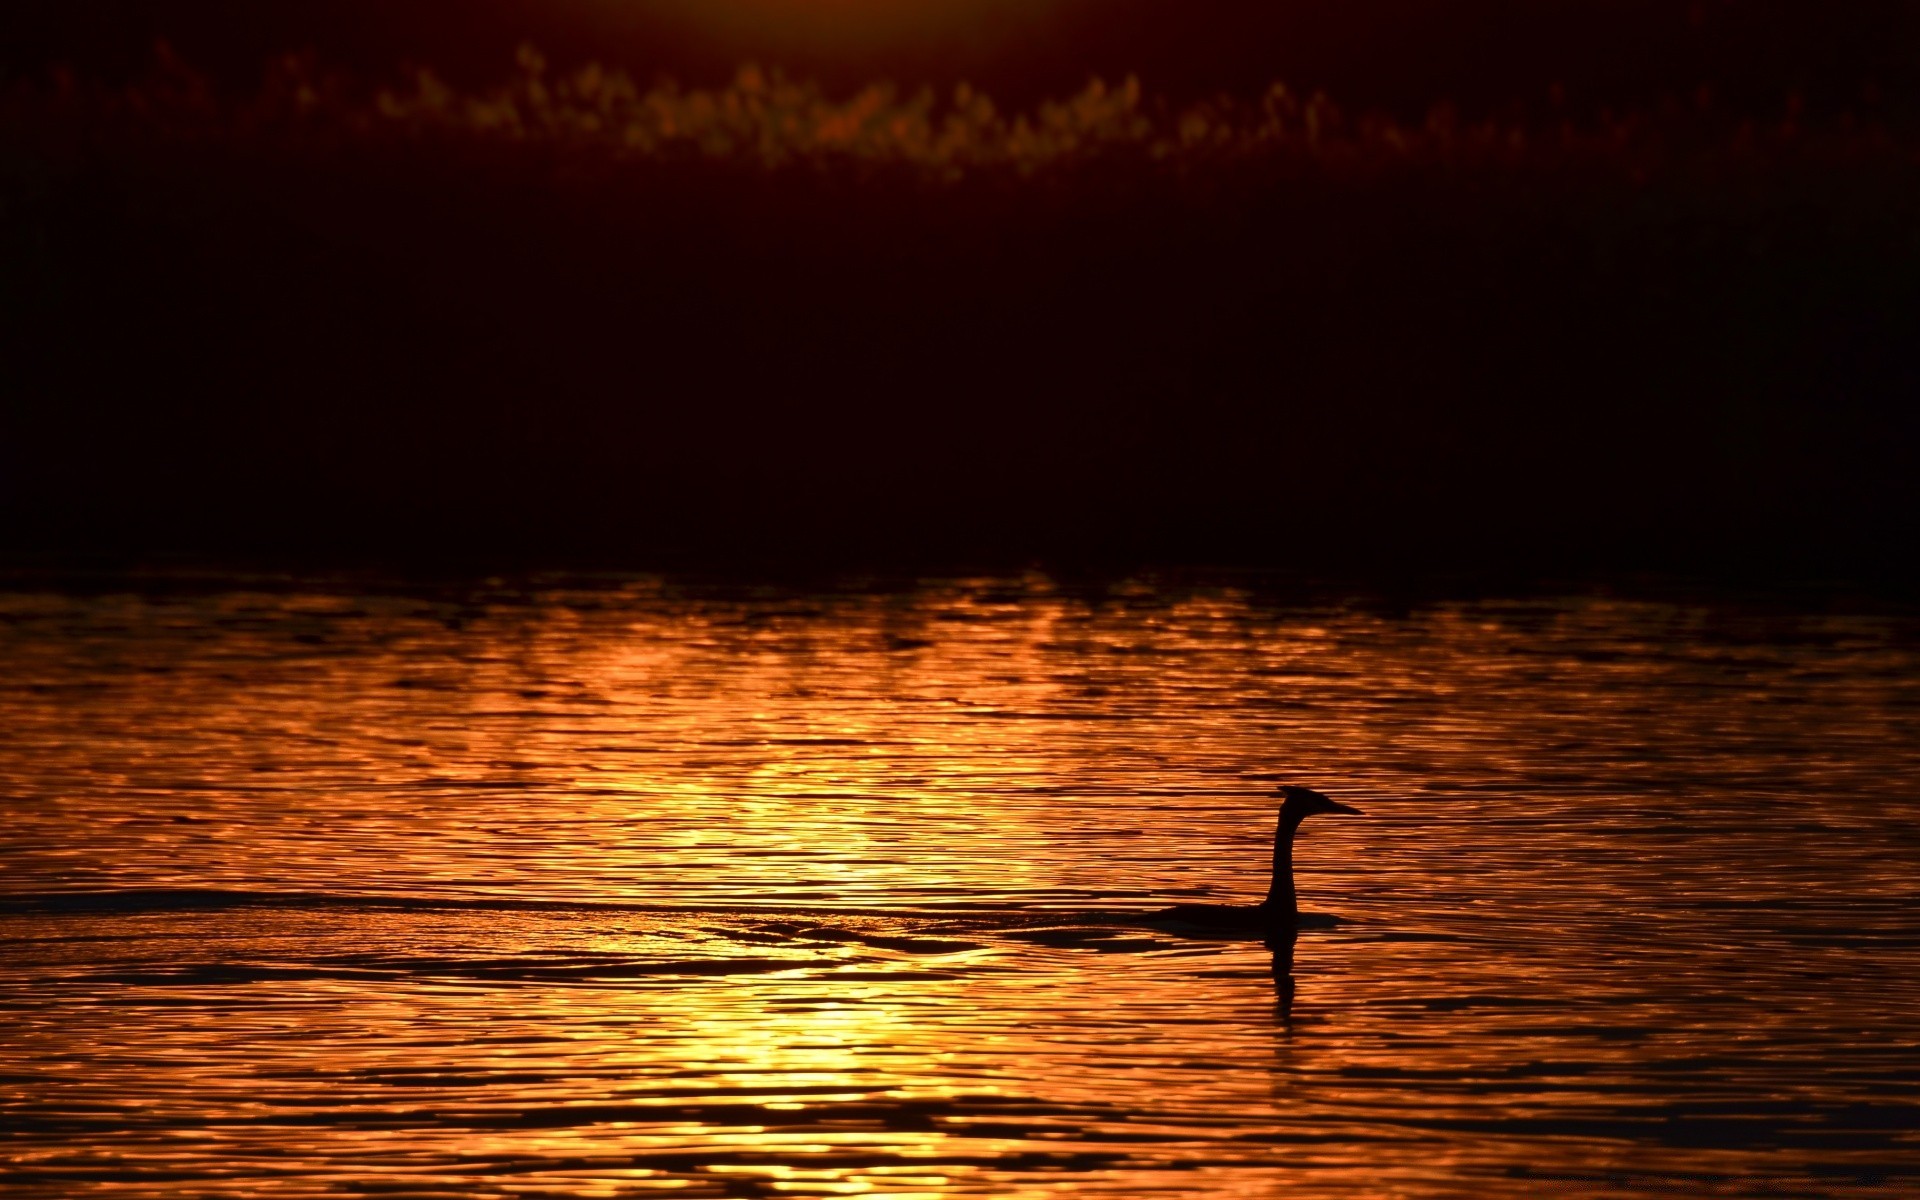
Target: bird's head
x,y
1302,803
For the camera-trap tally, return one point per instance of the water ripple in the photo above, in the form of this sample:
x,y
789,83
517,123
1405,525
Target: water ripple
x,y
567,889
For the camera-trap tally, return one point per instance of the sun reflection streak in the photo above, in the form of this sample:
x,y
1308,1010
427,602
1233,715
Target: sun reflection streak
x,y
825,894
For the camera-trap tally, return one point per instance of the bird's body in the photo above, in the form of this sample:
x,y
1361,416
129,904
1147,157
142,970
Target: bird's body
x,y
1236,918
1280,912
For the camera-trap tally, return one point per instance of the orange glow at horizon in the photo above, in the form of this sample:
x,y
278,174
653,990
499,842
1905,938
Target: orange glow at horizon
x,y
863,25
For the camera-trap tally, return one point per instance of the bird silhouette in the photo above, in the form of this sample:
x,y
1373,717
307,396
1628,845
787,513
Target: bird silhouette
x,y
1280,911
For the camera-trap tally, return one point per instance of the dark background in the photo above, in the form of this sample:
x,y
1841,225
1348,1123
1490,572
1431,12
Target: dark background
x,y
1403,54
455,354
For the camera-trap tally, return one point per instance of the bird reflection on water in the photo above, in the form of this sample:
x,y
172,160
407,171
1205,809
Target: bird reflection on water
x,y
1281,944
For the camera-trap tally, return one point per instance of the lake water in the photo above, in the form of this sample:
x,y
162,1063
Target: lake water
x,y
607,888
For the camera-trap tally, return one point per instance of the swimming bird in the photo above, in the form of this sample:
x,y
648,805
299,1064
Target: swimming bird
x,y
1281,909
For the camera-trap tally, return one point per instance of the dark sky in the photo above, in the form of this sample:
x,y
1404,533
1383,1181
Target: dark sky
x,y
1400,53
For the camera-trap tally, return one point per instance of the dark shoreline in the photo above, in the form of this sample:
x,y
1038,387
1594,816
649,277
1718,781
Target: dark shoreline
x,y
471,588
1403,349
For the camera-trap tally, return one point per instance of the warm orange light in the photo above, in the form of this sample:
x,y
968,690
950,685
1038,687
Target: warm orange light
x,y
861,25
629,889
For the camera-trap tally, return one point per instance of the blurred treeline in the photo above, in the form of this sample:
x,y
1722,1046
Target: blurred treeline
x,y
1400,55
576,318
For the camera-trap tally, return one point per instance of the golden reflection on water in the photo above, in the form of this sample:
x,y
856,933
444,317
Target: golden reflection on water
x,y
596,890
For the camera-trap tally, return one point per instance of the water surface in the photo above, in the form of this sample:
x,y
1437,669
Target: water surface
x,y
588,889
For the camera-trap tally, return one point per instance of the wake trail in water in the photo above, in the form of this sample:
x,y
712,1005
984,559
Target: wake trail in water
x,y
925,930
162,900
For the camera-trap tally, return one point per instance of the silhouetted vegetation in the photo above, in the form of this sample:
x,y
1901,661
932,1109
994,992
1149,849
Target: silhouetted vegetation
x,y
577,316
1393,55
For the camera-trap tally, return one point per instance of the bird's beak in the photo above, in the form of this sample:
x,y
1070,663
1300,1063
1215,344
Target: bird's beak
x,y
1348,809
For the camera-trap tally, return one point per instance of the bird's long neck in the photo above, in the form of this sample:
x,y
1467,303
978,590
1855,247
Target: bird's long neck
x,y
1281,900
